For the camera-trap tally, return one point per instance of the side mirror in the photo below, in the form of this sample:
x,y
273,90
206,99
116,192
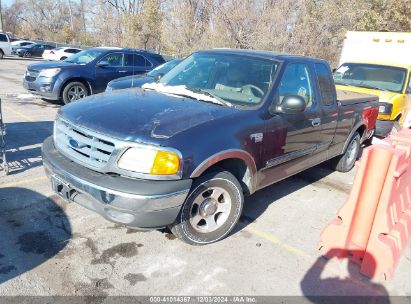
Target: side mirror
x,y
291,104
102,64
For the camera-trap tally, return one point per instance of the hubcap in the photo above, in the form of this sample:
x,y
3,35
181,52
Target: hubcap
x,y
210,209
76,92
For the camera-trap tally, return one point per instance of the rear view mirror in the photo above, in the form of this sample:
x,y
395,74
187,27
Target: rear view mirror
x,y
158,77
102,64
291,104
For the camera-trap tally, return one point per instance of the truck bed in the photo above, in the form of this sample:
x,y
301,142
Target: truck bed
x,y
348,98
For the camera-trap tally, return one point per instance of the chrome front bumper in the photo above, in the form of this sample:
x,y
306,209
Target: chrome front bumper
x,y
135,203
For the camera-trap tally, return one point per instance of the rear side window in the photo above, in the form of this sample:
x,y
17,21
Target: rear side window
x,y
3,38
136,60
325,84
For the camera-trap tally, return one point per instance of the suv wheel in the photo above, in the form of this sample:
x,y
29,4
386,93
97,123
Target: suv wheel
x,y
27,54
74,91
211,210
346,161
1,54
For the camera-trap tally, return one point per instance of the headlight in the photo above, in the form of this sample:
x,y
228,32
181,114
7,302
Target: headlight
x,y
385,108
149,161
49,72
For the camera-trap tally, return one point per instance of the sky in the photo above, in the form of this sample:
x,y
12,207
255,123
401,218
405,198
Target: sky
x,y
6,2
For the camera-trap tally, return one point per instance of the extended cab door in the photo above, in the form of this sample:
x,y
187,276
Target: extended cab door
x,y
329,107
291,140
108,68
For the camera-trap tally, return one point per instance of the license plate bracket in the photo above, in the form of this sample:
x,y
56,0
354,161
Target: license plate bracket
x,y
62,188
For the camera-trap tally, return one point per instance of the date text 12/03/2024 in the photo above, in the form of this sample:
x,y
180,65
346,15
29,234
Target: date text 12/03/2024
x,y
203,299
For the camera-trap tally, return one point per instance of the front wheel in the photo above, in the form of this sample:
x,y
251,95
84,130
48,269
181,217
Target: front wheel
x,y
211,210
74,91
346,161
27,55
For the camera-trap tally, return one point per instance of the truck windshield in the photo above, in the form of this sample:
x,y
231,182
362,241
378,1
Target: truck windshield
x,y
371,76
84,57
237,79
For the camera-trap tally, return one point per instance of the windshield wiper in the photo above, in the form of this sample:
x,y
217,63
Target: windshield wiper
x,y
209,94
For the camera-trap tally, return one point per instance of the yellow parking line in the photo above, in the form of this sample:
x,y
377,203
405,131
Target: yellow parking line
x,y
272,239
23,182
21,115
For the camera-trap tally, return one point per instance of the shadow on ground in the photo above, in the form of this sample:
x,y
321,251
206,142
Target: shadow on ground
x,y
256,204
33,229
23,144
353,288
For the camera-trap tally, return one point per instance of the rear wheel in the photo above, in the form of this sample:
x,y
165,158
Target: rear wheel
x,y
211,210
346,161
27,55
74,91
62,58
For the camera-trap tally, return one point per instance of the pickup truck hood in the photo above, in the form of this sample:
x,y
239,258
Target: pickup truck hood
x,y
141,116
384,96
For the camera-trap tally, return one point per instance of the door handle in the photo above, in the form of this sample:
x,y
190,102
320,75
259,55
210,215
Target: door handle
x,y
316,122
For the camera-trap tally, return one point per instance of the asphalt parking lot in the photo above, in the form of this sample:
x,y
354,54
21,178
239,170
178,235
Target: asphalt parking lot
x,y
48,247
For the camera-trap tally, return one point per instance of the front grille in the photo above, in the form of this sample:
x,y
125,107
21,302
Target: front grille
x,y
31,75
81,146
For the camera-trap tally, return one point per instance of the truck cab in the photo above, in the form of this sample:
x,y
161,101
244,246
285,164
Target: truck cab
x,y
379,64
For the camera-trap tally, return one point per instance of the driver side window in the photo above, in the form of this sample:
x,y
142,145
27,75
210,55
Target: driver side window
x,y
113,60
296,81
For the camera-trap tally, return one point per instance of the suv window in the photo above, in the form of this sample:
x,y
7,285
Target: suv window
x,y
136,60
296,81
325,84
3,38
113,59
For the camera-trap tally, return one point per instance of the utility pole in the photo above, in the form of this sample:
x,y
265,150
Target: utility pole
x,y
83,15
71,16
1,18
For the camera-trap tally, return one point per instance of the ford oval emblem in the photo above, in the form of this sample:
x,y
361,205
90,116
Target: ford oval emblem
x,y
75,144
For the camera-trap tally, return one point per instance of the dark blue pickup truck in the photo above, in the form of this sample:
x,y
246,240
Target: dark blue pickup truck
x,y
184,151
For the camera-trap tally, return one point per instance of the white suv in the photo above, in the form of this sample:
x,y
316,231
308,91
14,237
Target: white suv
x,y
5,46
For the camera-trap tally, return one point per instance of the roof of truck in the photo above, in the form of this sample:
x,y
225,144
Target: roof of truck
x,y
258,53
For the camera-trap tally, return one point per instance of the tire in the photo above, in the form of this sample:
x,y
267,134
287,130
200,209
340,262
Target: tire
x,y
346,161
1,54
211,210
74,91
63,58
27,55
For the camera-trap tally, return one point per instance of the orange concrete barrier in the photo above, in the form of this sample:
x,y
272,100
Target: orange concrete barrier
x,y
375,222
